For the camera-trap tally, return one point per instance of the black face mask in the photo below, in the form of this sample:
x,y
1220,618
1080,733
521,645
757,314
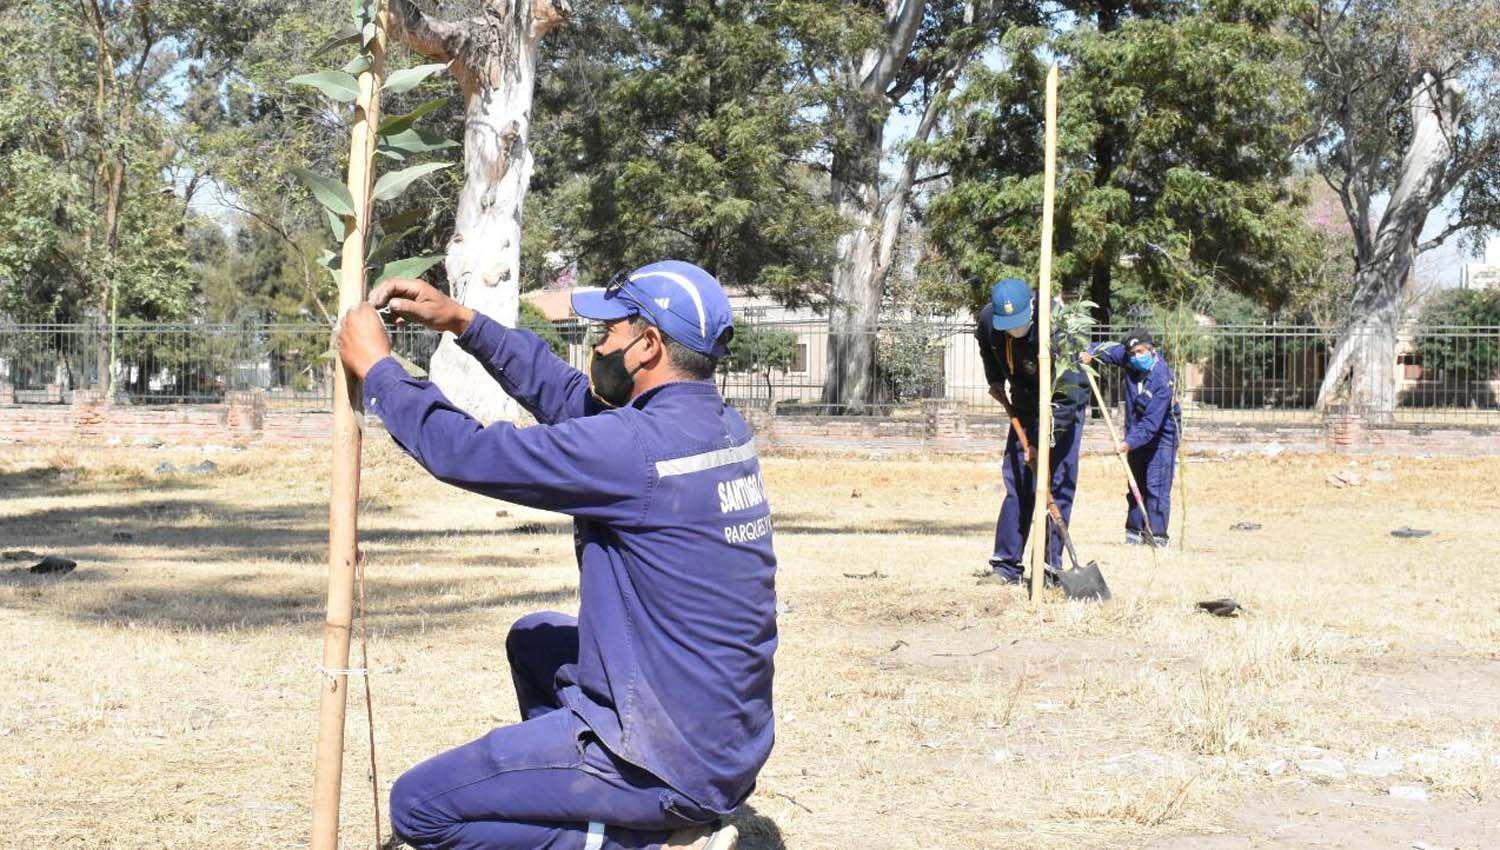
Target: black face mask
x,y
610,381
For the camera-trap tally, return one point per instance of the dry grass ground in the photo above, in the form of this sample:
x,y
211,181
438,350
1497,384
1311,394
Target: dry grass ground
x,y
164,695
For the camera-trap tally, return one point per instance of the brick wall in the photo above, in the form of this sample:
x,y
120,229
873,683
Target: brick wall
x,y
940,427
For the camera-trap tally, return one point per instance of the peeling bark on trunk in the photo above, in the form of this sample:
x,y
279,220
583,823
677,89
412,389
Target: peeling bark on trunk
x,y
1361,372
495,62
854,310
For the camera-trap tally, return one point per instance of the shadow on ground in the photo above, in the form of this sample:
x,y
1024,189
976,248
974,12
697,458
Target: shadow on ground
x,y
229,604
218,531
757,832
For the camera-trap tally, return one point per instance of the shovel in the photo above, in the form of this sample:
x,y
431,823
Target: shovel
x,y
1085,582
1077,582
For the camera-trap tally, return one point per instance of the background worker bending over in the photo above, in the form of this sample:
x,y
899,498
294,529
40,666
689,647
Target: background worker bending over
x,y
1151,430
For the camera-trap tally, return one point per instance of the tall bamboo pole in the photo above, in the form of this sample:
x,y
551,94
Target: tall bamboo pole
x,y
343,497
1043,313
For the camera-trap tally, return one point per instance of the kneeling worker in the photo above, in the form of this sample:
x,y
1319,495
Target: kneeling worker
x,y
646,719
1151,428
1009,348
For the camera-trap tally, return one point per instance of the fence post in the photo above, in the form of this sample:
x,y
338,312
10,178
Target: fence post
x,y
1343,428
246,413
943,424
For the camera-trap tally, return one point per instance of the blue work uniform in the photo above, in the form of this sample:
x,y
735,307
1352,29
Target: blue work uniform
x,y
1151,429
651,711
1015,363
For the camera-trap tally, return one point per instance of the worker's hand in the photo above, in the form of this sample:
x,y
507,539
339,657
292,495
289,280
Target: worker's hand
x,y
1030,456
1085,358
413,300
362,340
1123,448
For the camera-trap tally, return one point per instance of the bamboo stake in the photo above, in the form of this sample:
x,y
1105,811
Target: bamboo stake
x,y
343,498
1043,313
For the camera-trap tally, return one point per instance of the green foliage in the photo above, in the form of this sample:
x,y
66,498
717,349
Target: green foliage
x,y
1176,125
399,140
910,358
760,350
332,194
337,85
680,130
532,319
406,79
88,226
1443,350
390,186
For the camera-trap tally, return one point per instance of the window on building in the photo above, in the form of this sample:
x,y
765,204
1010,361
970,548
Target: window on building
x,y
799,360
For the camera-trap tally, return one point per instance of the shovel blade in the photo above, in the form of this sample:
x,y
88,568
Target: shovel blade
x,y
1085,582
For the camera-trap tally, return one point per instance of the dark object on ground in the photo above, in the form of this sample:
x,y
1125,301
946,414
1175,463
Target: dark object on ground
x,y
1225,607
1245,526
165,468
53,565
20,555
207,467
1406,532
122,537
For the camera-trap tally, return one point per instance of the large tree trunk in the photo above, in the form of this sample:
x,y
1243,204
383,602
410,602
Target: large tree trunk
x,y
495,62
864,255
1361,372
858,277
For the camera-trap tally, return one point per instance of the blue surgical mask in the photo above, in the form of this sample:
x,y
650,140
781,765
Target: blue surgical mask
x,y
1143,362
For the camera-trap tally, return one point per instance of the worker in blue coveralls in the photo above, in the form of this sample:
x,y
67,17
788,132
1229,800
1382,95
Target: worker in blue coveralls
x,y
1151,429
645,719
1009,349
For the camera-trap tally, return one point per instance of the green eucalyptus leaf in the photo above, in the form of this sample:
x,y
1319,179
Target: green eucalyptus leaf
x,y
391,185
333,84
400,123
358,65
347,35
336,226
330,193
411,368
410,267
391,153
367,35
407,79
330,260
388,244
414,140
402,220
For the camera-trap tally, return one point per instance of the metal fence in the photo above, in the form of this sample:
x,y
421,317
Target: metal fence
x,y
1225,373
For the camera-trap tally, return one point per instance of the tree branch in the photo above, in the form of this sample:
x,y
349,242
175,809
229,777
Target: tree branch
x,y
1456,227
901,28
429,36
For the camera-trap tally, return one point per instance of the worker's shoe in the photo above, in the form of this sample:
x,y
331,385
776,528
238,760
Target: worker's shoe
x,y
1137,538
1002,574
706,837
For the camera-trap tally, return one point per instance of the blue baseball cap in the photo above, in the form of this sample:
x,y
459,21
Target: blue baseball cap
x,y
683,301
1012,300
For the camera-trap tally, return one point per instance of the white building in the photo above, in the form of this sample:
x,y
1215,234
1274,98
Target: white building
x,y
1484,274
